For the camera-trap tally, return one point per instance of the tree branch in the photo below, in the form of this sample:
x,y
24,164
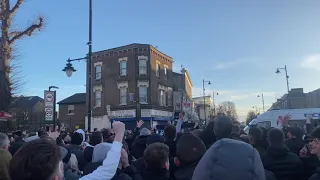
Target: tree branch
x,y
16,6
28,31
14,33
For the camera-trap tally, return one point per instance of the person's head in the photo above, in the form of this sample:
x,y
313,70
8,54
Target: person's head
x,y
95,129
222,127
4,141
37,159
145,132
108,135
76,139
275,137
190,149
255,134
315,143
17,135
59,141
95,138
5,157
156,156
207,135
197,132
294,132
236,129
170,132
100,152
153,138
42,133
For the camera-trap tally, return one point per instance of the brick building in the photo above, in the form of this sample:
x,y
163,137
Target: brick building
x,y
137,70
72,111
296,99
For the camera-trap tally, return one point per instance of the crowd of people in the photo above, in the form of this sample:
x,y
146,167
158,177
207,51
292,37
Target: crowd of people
x,y
220,151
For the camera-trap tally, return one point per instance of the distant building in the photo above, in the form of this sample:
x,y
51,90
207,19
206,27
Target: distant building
x,y
28,112
199,105
313,99
296,99
72,111
182,92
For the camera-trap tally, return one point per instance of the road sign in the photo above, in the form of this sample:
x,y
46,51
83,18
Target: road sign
x,y
49,100
49,114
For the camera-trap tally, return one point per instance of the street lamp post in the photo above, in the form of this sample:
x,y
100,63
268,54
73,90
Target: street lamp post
x,y
69,69
54,105
287,80
262,101
204,99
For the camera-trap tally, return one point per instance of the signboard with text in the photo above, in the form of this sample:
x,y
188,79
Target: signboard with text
x,y
49,105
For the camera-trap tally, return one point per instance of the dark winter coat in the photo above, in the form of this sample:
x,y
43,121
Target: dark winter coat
x,y
172,147
139,164
284,164
90,167
158,174
229,159
138,147
310,165
14,147
184,172
316,175
295,145
78,151
128,173
260,149
269,175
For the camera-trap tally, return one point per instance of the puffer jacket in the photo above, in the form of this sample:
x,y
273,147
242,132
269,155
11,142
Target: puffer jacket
x,y
221,159
284,164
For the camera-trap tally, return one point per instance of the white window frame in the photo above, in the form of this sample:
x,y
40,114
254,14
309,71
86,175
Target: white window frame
x,y
166,72
123,95
97,98
70,109
162,97
98,73
123,70
158,69
143,96
143,67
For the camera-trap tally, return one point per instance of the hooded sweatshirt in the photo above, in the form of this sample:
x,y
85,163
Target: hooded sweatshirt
x,y
228,155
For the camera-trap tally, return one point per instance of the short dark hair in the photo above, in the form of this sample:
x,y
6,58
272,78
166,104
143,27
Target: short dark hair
x,y
275,136
190,149
37,159
170,132
256,133
316,133
236,129
105,133
76,138
156,155
295,131
95,138
222,127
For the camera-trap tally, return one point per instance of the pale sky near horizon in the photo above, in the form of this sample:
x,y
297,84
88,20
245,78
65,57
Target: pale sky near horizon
x,y
237,45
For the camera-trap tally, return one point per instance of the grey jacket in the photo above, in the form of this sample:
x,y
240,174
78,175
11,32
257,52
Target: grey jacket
x,y
229,159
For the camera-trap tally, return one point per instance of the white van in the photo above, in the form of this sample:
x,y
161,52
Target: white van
x,y
269,119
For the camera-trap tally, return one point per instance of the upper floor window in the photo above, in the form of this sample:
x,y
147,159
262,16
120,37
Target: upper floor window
x,y
97,97
165,73
98,71
158,70
123,96
70,109
123,68
143,92
162,97
142,67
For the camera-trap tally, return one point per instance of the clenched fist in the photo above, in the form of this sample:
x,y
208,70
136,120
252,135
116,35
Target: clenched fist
x,y
118,128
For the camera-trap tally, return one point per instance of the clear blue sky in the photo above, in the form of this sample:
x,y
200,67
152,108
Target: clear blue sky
x,y
237,45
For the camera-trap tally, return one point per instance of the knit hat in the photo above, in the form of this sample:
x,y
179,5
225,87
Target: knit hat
x,y
153,138
144,132
100,152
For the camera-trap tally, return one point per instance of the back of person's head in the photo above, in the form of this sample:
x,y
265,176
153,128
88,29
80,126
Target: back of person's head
x,y
190,149
145,132
100,152
156,156
153,138
275,137
76,139
295,132
5,157
207,135
230,159
42,133
95,129
107,135
223,127
95,138
197,132
4,141
59,141
170,132
255,134
37,159
236,129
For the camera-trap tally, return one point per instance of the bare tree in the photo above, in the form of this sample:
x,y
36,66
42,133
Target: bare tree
x,y
250,116
9,36
228,108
